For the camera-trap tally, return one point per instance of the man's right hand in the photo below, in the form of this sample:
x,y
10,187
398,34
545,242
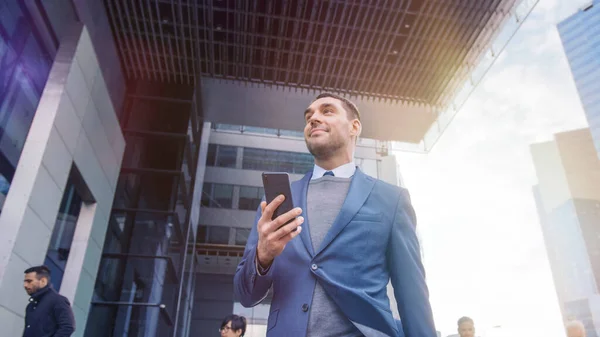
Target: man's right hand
x,y
271,238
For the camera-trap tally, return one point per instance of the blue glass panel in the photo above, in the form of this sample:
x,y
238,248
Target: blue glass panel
x,y
24,69
62,235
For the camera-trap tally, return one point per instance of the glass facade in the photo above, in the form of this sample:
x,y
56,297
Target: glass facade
x,y
580,35
277,161
221,155
250,197
144,283
24,67
217,195
62,234
258,131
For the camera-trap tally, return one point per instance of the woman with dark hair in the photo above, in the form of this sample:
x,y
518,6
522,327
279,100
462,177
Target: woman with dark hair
x,y
233,326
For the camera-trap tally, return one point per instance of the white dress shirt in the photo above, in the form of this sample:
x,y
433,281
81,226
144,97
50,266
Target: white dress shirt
x,y
344,171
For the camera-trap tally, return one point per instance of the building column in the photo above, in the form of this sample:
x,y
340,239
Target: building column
x,y
74,129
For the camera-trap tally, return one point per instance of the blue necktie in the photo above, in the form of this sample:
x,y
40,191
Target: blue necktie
x,y
328,173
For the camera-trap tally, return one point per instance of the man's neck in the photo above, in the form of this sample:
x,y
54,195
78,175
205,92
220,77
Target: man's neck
x,y
331,165
335,161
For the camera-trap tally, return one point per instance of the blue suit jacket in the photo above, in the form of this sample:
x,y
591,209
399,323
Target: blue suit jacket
x,y
371,241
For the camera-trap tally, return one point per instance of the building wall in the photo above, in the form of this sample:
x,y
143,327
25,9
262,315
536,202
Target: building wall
x,y
580,35
93,14
213,302
74,125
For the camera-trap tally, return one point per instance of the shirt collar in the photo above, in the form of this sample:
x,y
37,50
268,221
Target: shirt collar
x,y
344,171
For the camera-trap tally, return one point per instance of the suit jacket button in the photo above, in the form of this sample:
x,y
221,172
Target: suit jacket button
x,y
314,266
305,307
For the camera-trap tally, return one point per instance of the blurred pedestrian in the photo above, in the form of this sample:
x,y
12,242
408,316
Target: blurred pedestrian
x,y
466,327
48,313
575,329
233,326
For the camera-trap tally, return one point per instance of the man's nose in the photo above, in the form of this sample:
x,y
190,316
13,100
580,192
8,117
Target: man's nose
x,y
314,121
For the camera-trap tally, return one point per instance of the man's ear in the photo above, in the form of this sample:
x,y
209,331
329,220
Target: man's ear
x,y
356,128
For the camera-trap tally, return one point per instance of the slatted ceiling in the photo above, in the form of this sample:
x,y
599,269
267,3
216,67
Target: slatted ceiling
x,y
412,50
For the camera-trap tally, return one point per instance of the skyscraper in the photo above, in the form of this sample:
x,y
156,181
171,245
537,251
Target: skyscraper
x,y
568,201
580,35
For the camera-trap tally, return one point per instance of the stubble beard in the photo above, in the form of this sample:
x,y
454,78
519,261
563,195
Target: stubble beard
x,y
326,150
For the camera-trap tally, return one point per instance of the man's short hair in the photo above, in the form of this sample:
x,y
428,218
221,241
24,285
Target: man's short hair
x,y
40,271
237,323
347,104
465,319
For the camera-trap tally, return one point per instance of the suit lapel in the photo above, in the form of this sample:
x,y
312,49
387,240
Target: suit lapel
x,y
359,190
299,195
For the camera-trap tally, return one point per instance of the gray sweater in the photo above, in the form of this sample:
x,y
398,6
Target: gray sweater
x,y
324,201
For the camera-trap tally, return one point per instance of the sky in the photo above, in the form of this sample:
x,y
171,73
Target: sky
x,y
483,247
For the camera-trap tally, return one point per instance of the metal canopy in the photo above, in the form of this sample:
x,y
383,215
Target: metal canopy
x,y
417,51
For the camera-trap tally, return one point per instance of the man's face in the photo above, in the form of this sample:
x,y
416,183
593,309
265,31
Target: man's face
x,y
33,284
575,331
466,329
328,128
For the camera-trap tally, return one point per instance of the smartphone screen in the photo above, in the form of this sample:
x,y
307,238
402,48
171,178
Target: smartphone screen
x,y
275,184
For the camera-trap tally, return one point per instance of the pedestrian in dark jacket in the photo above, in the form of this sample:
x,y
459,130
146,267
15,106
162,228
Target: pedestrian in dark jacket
x,y
48,314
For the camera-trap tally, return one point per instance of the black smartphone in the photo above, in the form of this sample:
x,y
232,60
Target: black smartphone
x,y
276,184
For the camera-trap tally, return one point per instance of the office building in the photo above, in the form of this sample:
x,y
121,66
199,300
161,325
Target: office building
x,y
568,201
113,117
580,35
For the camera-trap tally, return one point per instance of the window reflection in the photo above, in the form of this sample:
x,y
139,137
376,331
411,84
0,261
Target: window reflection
x,y
250,197
277,161
241,236
221,155
24,68
213,234
217,195
62,235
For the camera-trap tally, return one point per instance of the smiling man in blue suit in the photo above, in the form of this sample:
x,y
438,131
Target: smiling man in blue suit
x,y
356,234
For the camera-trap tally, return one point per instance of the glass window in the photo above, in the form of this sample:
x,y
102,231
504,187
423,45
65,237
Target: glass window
x,y
218,235
303,163
62,235
271,160
241,236
252,159
206,194
266,131
222,195
217,195
24,69
290,133
227,127
202,231
250,197
211,155
226,156
221,155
